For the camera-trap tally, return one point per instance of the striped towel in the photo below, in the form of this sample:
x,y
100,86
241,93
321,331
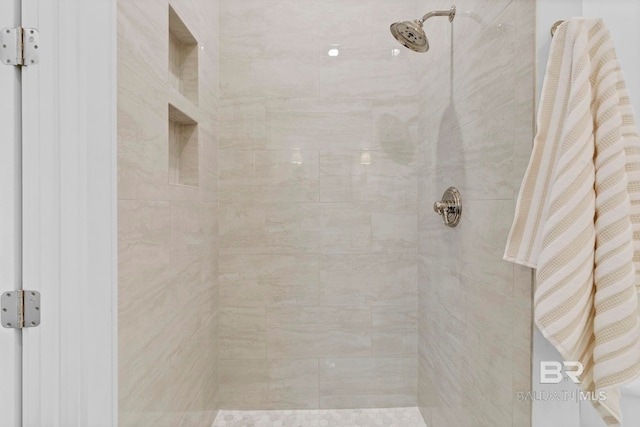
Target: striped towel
x,y
577,218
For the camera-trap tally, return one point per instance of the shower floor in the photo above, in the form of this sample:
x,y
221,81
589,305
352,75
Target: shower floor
x,y
388,417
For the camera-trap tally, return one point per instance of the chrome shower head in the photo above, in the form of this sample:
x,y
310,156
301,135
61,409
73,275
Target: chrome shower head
x,y
411,35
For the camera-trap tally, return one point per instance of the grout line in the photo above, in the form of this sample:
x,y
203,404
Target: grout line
x,y
318,378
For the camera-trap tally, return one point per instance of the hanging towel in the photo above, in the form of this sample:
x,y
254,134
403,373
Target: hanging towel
x,y
577,218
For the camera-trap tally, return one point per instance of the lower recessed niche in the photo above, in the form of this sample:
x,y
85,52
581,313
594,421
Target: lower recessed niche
x,y
183,149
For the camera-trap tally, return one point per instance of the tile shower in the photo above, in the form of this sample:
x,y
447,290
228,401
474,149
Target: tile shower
x,y
318,207
275,200
167,213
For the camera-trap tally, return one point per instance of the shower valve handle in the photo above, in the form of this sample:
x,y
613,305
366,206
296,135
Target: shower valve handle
x,y
444,208
450,207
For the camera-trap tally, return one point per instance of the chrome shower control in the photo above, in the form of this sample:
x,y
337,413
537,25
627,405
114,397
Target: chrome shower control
x,y
450,207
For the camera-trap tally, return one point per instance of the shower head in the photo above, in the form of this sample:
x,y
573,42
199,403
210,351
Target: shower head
x,y
410,33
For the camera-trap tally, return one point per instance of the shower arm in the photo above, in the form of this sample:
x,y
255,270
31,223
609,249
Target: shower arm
x,y
451,13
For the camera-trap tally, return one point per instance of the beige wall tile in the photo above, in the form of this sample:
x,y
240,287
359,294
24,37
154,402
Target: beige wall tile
x,y
422,129
368,280
474,315
142,38
269,280
371,73
394,331
395,121
352,115
132,418
142,139
242,333
279,73
287,228
269,384
268,176
369,176
335,125
522,374
395,229
481,152
483,237
167,244
186,252
208,149
336,177
314,332
367,382
144,246
345,228
473,43
389,177
243,124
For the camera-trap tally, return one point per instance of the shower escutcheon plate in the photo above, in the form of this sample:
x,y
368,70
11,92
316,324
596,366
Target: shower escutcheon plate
x,y
450,207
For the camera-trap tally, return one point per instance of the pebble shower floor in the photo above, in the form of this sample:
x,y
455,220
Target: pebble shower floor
x,y
388,417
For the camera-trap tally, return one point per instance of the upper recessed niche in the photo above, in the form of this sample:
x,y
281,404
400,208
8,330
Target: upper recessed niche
x,y
183,58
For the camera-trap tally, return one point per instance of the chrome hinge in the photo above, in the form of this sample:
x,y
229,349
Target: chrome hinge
x,y
20,309
19,46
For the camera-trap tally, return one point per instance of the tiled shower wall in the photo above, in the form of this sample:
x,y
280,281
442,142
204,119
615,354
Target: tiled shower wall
x,y
330,257
476,131
167,233
318,223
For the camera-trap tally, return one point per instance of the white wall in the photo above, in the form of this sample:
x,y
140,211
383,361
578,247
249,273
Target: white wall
x,y
621,17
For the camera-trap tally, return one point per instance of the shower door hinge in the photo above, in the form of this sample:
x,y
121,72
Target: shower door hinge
x,y
20,309
19,46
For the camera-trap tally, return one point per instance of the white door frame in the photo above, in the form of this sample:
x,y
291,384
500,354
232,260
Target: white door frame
x,y
10,218
69,214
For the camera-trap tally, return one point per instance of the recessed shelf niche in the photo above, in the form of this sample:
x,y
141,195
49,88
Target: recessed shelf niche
x,y
183,58
183,149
